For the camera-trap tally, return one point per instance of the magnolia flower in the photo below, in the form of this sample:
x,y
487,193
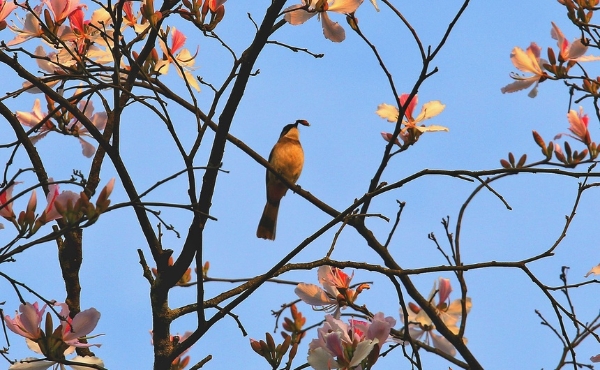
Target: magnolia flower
x,y
335,294
428,110
594,271
79,326
300,13
343,346
528,61
573,51
27,323
420,324
578,125
55,343
183,58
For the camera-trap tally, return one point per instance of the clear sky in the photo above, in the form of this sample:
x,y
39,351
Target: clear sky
x,y
338,95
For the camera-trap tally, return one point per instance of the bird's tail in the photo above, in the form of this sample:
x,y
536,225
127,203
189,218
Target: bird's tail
x,y
268,222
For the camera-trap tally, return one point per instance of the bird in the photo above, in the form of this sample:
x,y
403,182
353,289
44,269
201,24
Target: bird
x,y
287,158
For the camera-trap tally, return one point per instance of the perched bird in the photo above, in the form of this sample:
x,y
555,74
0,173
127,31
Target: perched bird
x,y
287,157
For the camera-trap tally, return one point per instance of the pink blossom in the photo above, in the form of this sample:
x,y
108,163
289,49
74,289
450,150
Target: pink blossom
x,y
98,120
528,61
33,119
428,110
298,14
179,55
570,51
79,326
420,324
26,324
61,199
31,27
578,125
344,346
335,293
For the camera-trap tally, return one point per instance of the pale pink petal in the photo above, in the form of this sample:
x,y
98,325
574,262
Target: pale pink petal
x,y
525,61
429,110
313,295
332,30
594,271
380,327
362,351
321,359
432,128
388,112
31,363
86,360
334,344
99,120
519,85
344,6
88,149
577,49
296,17
442,344
82,324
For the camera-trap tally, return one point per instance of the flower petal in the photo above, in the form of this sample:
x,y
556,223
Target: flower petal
x,y
296,17
332,30
429,110
388,112
594,271
313,295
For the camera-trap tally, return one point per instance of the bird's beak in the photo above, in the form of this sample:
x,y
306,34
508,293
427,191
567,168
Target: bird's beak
x,y
303,122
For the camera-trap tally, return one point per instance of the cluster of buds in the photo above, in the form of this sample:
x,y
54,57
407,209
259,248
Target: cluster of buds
x,y
294,325
272,352
184,280
511,161
198,12
204,271
580,12
150,14
69,206
578,127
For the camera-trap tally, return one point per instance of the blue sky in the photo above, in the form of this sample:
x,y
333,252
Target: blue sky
x,y
338,95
